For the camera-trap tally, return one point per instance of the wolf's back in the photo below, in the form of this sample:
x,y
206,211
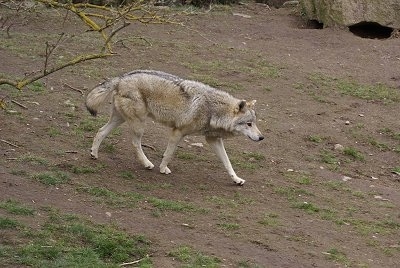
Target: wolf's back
x,y
100,94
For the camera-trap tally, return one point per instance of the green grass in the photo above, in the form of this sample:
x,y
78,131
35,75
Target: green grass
x,y
229,226
126,174
248,160
169,205
396,170
304,180
291,193
112,198
70,241
336,185
194,259
308,207
329,158
270,220
315,138
379,145
338,256
16,208
7,223
354,153
392,134
367,227
86,169
52,178
37,86
53,132
322,83
33,159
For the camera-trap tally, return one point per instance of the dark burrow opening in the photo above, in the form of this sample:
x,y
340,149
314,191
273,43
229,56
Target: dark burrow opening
x,y
371,30
314,24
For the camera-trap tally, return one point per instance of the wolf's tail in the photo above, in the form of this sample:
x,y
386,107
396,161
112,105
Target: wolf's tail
x,y
100,94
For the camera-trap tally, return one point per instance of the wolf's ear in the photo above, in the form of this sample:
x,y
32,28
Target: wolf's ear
x,y
251,104
240,106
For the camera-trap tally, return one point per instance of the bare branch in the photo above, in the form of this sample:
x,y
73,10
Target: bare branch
x,y
100,19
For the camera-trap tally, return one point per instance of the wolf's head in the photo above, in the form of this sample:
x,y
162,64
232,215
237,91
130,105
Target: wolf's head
x,y
245,122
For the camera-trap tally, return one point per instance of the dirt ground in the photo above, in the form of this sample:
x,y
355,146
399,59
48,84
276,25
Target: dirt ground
x,y
305,203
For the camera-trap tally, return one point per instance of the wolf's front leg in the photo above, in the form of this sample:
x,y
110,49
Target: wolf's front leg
x,y
218,145
174,139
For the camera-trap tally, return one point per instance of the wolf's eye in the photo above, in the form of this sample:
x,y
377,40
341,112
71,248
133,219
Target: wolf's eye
x,y
249,124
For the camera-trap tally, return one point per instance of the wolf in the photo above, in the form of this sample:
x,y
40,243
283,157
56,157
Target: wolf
x,y
187,107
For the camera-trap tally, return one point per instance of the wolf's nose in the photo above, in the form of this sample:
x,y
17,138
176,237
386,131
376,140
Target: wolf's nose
x,y
261,138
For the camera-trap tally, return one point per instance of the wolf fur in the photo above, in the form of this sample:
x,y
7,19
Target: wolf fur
x,y
188,107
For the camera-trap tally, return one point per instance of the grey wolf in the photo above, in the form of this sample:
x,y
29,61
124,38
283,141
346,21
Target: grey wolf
x,y
188,107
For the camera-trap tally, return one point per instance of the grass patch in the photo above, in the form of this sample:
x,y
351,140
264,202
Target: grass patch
x,y
126,174
85,169
53,132
111,198
364,227
169,205
70,241
51,178
392,134
192,258
291,193
7,223
304,180
33,159
354,153
330,159
37,86
248,160
16,208
379,145
379,92
270,220
186,155
396,170
308,207
337,256
229,226
315,138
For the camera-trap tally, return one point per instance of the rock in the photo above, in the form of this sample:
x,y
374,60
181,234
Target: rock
x,y
346,178
242,15
273,3
338,147
350,12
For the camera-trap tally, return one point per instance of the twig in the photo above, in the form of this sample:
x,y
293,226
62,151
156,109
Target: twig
x,y
149,146
73,88
19,104
71,152
133,262
9,143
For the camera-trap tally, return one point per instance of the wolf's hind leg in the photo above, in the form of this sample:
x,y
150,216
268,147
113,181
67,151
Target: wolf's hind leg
x,y
174,139
137,128
115,120
218,145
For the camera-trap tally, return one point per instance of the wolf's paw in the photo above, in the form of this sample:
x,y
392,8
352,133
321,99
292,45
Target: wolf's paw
x,y
165,170
93,155
238,181
149,165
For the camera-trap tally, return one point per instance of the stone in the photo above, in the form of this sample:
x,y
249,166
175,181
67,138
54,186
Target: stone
x,y
345,13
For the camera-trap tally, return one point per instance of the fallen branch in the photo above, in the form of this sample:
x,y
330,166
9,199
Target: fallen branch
x,y
133,262
9,143
73,88
149,146
19,104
